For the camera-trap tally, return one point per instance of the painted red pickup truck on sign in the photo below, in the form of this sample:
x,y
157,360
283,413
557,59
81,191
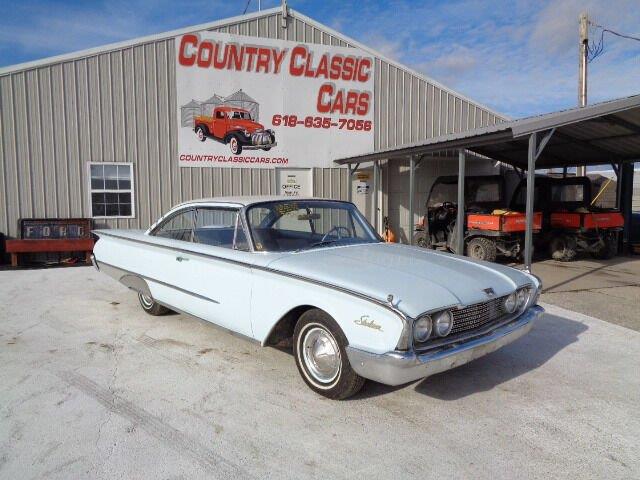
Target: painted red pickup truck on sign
x,y
234,126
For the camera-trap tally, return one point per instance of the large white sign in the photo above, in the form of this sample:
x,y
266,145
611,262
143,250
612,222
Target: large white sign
x,y
254,102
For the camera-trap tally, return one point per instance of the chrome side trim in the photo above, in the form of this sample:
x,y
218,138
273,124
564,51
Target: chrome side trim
x,y
404,317
126,280
219,327
397,368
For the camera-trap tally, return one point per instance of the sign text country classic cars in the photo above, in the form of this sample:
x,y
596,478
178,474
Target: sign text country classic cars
x,y
254,102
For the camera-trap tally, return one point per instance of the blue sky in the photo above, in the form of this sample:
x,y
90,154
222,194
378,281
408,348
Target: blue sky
x,y
517,57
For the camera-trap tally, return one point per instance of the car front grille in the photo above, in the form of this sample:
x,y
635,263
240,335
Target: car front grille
x,y
261,138
478,315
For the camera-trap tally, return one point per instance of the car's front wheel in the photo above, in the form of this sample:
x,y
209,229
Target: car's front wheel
x,y
609,248
150,306
235,145
321,357
482,248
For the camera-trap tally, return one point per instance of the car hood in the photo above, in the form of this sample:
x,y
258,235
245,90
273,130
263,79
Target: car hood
x,y
246,125
420,280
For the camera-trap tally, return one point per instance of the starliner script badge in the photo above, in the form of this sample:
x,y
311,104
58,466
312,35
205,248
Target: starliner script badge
x,y
365,322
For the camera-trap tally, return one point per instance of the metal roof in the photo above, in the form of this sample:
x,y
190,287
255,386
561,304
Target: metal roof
x,y
603,133
234,20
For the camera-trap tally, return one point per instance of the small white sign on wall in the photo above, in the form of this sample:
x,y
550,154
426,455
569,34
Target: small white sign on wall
x,y
362,188
294,182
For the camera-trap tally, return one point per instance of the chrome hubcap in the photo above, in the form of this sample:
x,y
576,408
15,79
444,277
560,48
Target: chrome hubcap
x,y
147,302
321,355
234,145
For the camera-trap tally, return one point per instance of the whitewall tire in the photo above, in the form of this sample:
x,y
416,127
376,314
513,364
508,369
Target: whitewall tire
x,y
321,358
150,306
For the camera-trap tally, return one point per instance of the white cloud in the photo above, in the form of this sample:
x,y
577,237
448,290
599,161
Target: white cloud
x,y
44,29
518,57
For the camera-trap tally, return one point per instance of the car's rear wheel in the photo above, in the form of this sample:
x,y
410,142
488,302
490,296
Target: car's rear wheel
x,y
202,135
563,248
321,358
150,306
422,240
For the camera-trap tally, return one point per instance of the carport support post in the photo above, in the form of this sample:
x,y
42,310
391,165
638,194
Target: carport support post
x,y
460,214
412,193
626,201
374,207
531,178
352,170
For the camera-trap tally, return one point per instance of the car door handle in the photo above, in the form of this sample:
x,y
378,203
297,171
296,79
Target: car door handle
x,y
182,259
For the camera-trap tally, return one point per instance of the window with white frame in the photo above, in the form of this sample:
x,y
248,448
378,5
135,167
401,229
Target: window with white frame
x,y
111,186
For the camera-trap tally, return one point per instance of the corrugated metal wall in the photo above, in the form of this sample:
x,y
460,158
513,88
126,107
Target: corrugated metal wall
x,y
119,106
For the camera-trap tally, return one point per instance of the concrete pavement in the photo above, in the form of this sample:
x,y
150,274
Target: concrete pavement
x,y
91,387
606,289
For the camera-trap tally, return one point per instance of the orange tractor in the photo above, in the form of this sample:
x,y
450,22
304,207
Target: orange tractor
x,y
490,228
570,223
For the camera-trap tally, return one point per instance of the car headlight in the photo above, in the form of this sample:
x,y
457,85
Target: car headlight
x,y
442,323
247,133
523,297
511,303
422,329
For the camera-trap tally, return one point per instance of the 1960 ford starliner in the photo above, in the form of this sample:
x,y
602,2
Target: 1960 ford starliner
x,y
315,271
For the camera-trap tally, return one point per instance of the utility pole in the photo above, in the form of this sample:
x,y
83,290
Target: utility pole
x,y
582,71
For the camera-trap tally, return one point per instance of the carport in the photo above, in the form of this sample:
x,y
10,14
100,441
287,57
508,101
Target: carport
x,y
606,133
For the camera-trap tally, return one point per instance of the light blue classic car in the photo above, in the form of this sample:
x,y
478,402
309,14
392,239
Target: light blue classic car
x,y
314,273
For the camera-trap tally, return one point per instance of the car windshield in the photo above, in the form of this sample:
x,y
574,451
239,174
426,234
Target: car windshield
x,y
291,225
242,115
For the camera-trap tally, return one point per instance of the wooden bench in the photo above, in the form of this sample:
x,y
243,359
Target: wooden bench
x,y
16,247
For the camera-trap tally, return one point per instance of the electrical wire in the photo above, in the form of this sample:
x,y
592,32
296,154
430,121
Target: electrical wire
x,y
246,7
594,50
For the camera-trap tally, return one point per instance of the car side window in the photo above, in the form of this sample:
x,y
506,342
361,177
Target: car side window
x,y
219,114
219,227
178,227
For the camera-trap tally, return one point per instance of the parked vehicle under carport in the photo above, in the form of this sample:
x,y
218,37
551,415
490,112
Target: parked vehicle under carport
x,y
490,228
571,225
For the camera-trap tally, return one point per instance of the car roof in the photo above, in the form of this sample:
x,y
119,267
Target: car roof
x,y
251,200
228,108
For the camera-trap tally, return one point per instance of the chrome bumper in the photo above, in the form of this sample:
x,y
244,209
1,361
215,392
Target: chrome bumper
x,y
396,368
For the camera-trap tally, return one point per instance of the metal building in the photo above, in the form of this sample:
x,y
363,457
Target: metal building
x,y
116,104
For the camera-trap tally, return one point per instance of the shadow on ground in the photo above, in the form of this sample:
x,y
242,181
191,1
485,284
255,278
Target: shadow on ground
x,y
550,335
